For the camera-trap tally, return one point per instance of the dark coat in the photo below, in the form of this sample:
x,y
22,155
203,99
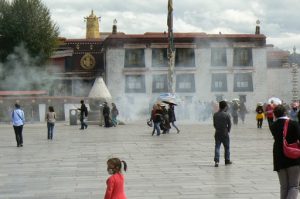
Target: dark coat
x,y
222,123
83,111
280,161
172,117
106,111
157,115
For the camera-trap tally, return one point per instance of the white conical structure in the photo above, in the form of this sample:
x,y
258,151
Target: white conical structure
x,y
100,90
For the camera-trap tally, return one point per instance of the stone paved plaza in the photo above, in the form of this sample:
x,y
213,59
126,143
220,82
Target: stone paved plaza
x,y
172,166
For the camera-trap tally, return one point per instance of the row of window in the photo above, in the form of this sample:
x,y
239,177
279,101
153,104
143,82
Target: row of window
x,y
186,83
185,57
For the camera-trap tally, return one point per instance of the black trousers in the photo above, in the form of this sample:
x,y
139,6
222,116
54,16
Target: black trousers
x,y
259,123
19,136
106,121
83,124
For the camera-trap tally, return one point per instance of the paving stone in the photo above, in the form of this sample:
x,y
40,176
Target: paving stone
x,y
171,166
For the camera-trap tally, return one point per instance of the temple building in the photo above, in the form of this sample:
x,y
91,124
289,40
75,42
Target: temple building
x,y
134,67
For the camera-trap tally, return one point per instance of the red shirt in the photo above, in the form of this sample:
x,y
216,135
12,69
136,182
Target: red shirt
x,y
269,110
115,187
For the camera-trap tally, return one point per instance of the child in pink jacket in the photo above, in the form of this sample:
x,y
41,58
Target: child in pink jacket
x,y
115,183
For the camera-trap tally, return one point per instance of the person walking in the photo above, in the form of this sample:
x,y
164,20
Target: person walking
x,y
234,112
114,114
115,183
288,169
18,120
269,113
293,113
243,111
259,115
106,112
156,117
50,117
172,117
222,125
83,115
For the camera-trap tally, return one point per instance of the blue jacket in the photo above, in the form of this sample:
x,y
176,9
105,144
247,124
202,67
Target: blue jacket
x,y
17,117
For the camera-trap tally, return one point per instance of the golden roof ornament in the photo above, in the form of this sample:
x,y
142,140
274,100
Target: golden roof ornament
x,y
92,26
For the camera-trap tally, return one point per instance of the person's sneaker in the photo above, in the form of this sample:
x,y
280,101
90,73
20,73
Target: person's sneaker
x,y
178,131
216,164
228,162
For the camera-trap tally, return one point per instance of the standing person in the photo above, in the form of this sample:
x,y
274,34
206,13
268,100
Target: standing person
x,y
288,170
106,112
114,114
293,113
156,117
222,124
234,112
50,117
83,115
243,111
18,120
269,113
165,124
115,183
172,117
259,115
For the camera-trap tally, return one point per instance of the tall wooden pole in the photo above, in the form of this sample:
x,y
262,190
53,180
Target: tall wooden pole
x,y
171,71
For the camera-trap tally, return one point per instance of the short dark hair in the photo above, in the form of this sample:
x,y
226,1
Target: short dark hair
x,y
17,105
222,104
51,109
279,111
81,101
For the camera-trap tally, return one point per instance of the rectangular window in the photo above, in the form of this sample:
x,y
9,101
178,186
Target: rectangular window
x,y
218,57
159,83
185,57
242,57
135,84
219,82
159,57
243,82
134,58
185,83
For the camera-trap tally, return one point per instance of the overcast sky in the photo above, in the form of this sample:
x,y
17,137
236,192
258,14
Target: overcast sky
x,y
279,19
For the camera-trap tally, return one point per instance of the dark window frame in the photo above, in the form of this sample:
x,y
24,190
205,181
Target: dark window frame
x,y
242,57
185,57
156,53
134,58
164,78
239,80
140,78
219,77
218,57
186,78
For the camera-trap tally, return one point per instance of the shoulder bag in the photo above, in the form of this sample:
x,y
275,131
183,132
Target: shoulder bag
x,y
290,150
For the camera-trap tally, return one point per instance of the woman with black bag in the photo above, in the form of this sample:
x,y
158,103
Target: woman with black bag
x,y
288,169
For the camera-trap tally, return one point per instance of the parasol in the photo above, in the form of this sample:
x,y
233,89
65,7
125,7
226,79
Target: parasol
x,y
168,98
171,102
275,100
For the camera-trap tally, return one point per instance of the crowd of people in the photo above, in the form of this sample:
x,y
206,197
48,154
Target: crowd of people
x,y
18,119
266,111
162,118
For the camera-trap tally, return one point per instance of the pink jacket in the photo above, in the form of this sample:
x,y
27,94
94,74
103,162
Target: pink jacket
x,y
115,187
